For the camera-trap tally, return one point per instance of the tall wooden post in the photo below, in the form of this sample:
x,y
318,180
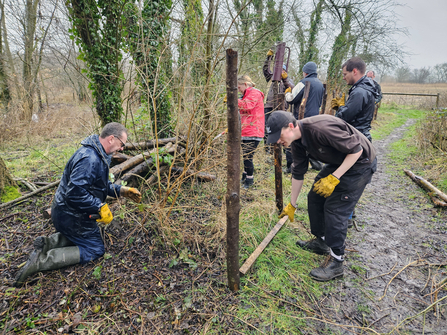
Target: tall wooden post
x,y
277,148
233,171
323,105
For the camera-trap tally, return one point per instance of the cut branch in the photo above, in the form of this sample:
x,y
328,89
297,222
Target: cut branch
x,y
429,187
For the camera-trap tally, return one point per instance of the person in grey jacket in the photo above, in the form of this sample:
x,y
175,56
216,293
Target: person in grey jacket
x,y
295,96
358,110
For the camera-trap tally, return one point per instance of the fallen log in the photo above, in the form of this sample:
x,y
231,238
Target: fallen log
x,y
26,196
119,157
200,175
136,160
429,187
250,260
136,171
149,144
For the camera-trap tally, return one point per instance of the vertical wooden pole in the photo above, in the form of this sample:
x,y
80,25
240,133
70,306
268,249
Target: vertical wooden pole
x,y
302,109
437,101
323,105
277,154
233,171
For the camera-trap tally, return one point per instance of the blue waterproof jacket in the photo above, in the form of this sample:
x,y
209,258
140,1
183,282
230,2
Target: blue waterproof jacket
x,y
84,187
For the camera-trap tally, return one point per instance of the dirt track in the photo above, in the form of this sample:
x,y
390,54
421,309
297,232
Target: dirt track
x,y
395,231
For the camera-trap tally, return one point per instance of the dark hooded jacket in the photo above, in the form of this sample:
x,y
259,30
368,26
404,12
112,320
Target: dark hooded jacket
x,y
84,187
314,99
359,108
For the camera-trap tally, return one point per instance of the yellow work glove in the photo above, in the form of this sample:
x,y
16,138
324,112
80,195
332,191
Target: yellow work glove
x,y
337,102
289,210
270,53
106,215
325,186
131,193
284,75
225,99
288,90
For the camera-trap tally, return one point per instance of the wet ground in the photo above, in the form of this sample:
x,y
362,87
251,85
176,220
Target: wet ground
x,y
395,269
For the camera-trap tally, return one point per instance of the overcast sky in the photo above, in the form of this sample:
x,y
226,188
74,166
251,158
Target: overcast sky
x,y
426,21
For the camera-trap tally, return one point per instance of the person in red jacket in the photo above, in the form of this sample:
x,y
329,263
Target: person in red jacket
x,y
251,109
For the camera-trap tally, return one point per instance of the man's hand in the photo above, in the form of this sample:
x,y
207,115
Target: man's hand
x,y
325,186
270,53
337,102
106,215
289,210
284,75
288,90
131,193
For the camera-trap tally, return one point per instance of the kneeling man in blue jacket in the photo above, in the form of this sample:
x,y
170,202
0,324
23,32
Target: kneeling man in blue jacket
x,y
79,203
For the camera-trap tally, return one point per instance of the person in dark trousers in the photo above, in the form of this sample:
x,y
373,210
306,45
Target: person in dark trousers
x,y
350,161
295,96
285,83
79,199
358,110
371,74
251,109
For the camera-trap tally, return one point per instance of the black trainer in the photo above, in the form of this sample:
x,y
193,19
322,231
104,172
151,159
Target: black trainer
x,y
244,176
248,183
331,268
316,245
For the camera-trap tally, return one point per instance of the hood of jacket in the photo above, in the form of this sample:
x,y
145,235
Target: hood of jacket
x,y
367,84
93,142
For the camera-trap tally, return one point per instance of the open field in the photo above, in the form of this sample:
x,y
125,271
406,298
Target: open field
x,y
415,101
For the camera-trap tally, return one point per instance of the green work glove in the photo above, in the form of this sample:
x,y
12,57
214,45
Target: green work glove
x,y
337,102
289,210
270,53
106,215
325,186
131,193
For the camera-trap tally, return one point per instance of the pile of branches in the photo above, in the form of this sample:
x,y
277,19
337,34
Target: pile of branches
x,y
167,153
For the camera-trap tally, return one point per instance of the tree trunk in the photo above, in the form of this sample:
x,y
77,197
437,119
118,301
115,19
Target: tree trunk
x,y
5,178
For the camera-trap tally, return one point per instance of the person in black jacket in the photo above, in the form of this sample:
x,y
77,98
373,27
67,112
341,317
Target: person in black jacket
x,y
295,96
358,110
79,203
283,84
371,74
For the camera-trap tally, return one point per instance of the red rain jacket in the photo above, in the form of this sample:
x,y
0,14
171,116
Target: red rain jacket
x,y
251,108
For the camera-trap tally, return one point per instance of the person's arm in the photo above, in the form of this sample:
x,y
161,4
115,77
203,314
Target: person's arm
x,y
379,90
248,102
82,176
296,95
348,162
353,106
265,69
296,189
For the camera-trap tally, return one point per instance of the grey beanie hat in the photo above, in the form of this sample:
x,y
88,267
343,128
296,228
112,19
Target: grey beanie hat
x,y
310,67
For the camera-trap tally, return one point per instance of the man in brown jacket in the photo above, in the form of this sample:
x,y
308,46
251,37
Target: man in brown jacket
x,y
350,161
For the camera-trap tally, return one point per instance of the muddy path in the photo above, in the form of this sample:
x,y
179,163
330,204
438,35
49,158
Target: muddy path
x,y
396,260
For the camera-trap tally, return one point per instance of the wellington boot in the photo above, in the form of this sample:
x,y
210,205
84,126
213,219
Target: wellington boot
x,y
244,176
51,260
316,245
56,240
331,268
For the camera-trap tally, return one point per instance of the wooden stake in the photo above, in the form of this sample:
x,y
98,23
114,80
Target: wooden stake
x,y
249,262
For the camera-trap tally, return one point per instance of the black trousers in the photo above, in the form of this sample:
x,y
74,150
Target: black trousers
x,y
267,112
248,150
329,216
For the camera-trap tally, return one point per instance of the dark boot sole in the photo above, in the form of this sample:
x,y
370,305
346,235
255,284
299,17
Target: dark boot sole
x,y
325,279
